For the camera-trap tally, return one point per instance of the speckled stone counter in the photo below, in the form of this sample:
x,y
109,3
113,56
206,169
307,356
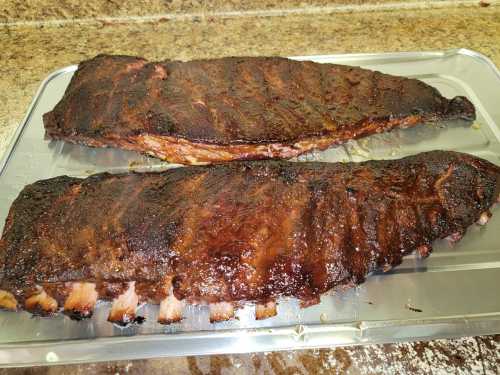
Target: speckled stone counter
x,y
41,36
44,10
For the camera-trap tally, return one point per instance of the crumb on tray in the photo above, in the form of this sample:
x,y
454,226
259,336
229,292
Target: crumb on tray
x,y
323,318
412,308
134,163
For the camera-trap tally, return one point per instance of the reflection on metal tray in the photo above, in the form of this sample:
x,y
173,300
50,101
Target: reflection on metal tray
x,y
449,294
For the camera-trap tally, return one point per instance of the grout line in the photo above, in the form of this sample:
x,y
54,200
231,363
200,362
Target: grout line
x,y
335,9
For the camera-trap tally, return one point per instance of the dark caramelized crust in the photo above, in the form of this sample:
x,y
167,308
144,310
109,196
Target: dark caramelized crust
x,y
248,231
237,107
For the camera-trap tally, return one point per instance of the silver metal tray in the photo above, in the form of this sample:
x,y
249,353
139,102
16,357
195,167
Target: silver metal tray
x,y
454,292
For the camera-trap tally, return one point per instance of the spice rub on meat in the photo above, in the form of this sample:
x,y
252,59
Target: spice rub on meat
x,y
233,233
237,108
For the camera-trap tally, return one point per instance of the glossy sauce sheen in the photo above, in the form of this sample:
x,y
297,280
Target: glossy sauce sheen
x,y
237,108
247,231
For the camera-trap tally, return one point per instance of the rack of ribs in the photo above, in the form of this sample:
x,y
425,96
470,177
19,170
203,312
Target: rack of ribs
x,y
237,108
229,234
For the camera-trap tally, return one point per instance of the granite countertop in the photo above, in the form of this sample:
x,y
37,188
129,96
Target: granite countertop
x,y
39,38
14,11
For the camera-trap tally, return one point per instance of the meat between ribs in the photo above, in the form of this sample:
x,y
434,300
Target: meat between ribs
x,y
237,108
233,233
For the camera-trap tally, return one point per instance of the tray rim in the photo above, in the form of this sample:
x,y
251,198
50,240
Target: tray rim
x,y
290,337
294,337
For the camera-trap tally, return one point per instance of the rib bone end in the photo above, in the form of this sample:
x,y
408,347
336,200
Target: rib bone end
x,y
484,218
81,301
170,310
265,310
454,238
124,307
221,311
41,303
7,300
424,251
